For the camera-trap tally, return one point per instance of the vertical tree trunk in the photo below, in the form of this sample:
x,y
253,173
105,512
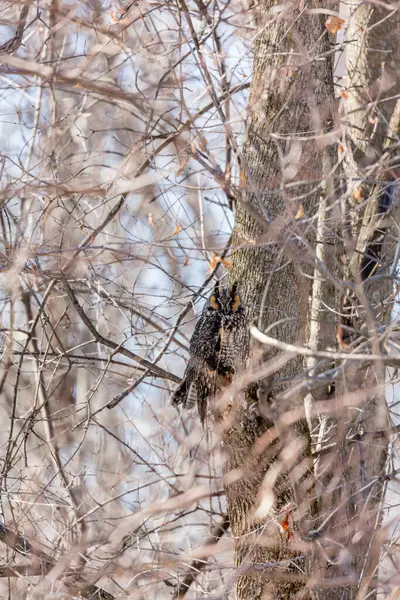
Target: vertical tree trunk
x,y
289,121
371,228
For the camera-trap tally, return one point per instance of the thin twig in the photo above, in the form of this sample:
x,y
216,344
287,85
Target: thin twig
x,y
269,341
199,564
154,370
28,548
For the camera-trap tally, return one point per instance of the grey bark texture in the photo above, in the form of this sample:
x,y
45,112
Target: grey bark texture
x,y
300,249
371,217
289,121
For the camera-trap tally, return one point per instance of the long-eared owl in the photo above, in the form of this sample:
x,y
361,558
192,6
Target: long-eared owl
x,y
219,347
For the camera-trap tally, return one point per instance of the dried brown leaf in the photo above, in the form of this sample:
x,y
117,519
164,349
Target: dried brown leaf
x,y
203,144
184,164
300,213
333,24
214,260
227,263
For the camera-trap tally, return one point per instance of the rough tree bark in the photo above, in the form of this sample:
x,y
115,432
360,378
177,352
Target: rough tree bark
x,y
289,122
370,232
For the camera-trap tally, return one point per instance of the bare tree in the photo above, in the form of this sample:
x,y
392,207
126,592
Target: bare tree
x,y
148,150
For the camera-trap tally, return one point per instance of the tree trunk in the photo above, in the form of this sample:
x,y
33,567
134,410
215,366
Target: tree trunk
x,y
289,122
370,219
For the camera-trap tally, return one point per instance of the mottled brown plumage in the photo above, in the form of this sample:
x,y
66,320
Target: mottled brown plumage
x,y
219,347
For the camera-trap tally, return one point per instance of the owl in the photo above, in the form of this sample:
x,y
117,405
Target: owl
x,y
219,348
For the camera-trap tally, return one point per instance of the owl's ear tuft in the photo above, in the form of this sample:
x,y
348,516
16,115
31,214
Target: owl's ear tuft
x,y
217,289
234,289
214,297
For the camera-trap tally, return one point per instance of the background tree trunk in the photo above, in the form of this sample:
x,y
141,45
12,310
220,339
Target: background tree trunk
x,y
370,229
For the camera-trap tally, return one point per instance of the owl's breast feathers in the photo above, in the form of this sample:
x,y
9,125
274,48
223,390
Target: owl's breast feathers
x,y
232,345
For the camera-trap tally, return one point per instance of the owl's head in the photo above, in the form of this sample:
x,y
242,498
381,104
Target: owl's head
x,y
225,301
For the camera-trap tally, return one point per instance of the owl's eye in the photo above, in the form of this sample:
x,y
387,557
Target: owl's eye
x,y
214,302
235,302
